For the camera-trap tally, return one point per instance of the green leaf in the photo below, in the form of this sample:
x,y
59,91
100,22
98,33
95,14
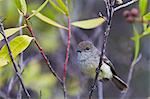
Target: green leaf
x,y
146,17
11,31
22,6
3,62
18,4
146,32
136,40
49,21
39,9
17,45
63,6
56,7
143,6
89,24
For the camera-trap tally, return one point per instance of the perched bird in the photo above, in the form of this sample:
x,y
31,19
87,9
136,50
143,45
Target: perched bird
x,y
88,57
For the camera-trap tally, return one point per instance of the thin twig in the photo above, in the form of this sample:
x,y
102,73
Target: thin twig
x,y
12,59
125,5
21,32
110,12
21,66
68,48
40,94
67,56
100,90
10,85
43,54
19,95
130,75
15,78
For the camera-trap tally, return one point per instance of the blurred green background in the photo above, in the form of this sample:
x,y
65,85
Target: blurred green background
x,y
36,75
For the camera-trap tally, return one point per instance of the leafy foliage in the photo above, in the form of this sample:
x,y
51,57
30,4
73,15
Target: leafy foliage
x,y
49,21
33,76
22,6
137,36
11,31
143,6
56,7
39,9
17,45
147,17
63,6
136,40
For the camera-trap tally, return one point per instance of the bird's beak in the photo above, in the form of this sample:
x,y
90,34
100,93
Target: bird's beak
x,y
79,51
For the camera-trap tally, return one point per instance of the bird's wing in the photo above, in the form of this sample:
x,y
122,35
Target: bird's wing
x,y
108,62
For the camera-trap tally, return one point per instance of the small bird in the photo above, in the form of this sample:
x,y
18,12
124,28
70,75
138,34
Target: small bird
x,y
88,57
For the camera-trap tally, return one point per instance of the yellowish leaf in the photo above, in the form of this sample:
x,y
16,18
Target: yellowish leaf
x,y
3,62
17,45
11,31
49,21
63,7
38,10
89,24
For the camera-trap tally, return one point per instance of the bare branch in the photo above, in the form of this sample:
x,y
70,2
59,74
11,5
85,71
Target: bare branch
x,y
67,56
12,59
45,57
42,53
130,75
19,95
110,12
125,5
100,90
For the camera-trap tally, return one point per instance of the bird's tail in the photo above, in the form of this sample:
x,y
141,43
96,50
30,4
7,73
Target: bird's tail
x,y
120,84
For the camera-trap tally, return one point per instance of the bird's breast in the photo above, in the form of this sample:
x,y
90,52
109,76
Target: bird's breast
x,y
88,65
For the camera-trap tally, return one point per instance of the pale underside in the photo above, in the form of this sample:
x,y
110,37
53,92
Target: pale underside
x,y
91,63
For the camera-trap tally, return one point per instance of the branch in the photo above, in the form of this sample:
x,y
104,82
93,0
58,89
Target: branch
x,y
125,5
20,32
12,59
100,90
42,53
130,74
15,78
19,94
110,12
68,48
67,56
21,66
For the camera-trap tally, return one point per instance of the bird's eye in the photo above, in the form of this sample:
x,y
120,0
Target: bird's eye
x,y
87,48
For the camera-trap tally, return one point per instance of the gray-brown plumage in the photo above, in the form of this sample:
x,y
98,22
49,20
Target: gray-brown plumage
x,y
88,59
